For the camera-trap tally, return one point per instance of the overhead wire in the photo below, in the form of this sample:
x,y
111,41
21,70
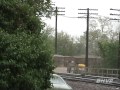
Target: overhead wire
x,y
72,17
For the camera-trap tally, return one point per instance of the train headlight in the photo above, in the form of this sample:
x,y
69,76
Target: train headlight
x,y
81,65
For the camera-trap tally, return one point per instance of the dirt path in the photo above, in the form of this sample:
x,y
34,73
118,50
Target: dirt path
x,y
60,70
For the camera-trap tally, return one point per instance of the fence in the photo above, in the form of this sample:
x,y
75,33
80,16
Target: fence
x,y
103,72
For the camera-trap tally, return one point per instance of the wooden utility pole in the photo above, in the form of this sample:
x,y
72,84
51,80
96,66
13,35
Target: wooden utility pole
x,y
56,30
87,38
56,20
87,32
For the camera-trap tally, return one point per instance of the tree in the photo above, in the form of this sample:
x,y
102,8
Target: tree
x,y
17,15
25,55
105,23
80,45
49,34
107,43
103,41
100,30
109,52
65,44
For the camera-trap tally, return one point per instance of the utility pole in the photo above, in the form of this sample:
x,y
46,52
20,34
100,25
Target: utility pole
x,y
56,30
87,37
118,63
87,31
56,20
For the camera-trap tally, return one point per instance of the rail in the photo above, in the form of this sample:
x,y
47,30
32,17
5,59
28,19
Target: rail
x,y
111,81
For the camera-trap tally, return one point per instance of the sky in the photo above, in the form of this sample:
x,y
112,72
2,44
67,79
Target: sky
x,y
76,26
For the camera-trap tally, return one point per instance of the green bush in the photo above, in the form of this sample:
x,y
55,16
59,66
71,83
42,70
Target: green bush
x,y
25,62
25,55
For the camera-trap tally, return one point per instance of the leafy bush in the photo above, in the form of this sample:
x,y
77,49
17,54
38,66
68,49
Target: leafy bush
x,y
25,55
25,62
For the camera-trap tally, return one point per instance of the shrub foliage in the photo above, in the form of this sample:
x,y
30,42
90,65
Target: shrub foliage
x,y
25,56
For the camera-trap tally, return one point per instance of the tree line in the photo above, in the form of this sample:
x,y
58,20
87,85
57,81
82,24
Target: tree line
x,y
103,42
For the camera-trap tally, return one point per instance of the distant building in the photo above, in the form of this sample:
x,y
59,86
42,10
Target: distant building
x,y
62,61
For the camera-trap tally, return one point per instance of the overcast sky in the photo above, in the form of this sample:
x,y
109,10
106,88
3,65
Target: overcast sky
x,y
75,26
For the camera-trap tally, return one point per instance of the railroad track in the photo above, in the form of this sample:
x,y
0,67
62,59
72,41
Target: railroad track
x,y
111,81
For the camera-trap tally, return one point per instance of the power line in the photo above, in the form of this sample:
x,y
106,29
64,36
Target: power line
x,y
114,9
69,17
84,16
72,17
115,14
